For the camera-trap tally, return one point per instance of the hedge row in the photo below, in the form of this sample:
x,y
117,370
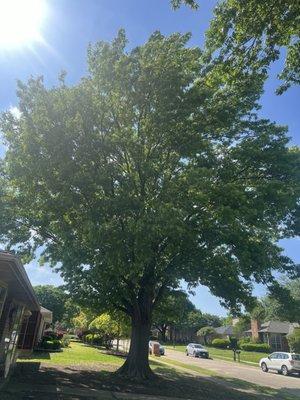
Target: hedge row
x,y
259,347
221,343
246,346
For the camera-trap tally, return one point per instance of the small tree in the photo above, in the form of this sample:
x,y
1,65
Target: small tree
x,y
294,340
107,327
205,333
242,325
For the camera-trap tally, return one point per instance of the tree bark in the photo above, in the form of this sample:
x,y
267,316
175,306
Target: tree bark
x,y
163,332
136,365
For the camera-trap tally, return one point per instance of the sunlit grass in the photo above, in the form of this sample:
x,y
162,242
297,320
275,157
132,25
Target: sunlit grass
x,y
76,353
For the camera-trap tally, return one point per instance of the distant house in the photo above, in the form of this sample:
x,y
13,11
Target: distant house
x,y
273,333
20,313
224,332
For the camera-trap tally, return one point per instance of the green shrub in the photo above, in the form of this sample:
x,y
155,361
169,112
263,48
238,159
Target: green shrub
x,y
294,340
243,340
88,338
221,343
97,339
65,341
53,344
259,347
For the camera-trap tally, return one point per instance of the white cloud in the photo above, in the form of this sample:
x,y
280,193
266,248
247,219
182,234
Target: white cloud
x,y
42,275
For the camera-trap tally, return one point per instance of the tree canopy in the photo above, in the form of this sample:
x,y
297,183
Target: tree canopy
x,y
283,303
255,32
52,298
172,310
152,169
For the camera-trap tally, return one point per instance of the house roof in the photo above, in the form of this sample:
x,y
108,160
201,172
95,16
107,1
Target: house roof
x,y
14,275
284,327
224,330
47,315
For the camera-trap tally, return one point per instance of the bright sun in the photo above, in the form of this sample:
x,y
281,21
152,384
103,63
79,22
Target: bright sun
x,y
20,22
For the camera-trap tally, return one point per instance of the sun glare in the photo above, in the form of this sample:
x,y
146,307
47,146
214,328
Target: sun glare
x,y
21,22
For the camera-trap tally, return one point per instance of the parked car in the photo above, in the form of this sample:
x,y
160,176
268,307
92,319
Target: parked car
x,y
283,363
161,348
196,350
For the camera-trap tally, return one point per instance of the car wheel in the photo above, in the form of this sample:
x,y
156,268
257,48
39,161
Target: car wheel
x,y
264,367
284,370
187,353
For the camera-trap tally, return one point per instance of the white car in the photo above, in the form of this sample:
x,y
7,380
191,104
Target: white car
x,y
283,363
196,350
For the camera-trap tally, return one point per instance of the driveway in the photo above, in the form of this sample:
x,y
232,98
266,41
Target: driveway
x,y
244,372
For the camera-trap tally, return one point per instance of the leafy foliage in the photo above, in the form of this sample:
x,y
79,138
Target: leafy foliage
x,y
172,310
221,343
253,32
259,347
206,332
242,325
108,328
282,303
151,170
83,319
294,340
177,3
52,298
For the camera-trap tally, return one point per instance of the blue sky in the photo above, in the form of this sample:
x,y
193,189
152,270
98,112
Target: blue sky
x,y
68,28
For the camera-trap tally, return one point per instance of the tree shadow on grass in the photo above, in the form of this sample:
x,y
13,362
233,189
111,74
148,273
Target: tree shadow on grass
x,y
37,355
168,382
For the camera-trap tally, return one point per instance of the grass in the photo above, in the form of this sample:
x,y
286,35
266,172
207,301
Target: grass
x,y
76,353
225,354
82,367
233,382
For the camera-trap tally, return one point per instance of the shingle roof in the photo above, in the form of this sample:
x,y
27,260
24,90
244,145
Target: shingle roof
x,y
284,327
224,330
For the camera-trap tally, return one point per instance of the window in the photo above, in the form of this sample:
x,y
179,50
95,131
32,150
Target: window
x,y
3,291
296,357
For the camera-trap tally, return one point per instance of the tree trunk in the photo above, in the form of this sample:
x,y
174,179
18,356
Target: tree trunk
x,y
136,365
163,332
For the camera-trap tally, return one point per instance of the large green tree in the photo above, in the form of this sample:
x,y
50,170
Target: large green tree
x,y
283,303
150,170
52,298
172,310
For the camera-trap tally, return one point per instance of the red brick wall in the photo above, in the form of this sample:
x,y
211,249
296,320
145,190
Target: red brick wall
x,y
255,327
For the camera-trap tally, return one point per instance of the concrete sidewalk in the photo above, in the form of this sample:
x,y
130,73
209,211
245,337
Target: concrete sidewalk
x,y
53,392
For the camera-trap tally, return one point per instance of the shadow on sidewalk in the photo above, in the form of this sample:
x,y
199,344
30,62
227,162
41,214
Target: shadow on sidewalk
x,y
36,381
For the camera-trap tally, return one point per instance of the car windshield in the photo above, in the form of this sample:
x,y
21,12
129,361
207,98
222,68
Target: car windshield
x,y
296,357
198,346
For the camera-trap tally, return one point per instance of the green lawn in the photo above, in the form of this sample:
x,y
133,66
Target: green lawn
x,y
225,354
76,353
81,366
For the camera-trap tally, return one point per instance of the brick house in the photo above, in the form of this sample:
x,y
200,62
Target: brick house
x,y
273,333
20,313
